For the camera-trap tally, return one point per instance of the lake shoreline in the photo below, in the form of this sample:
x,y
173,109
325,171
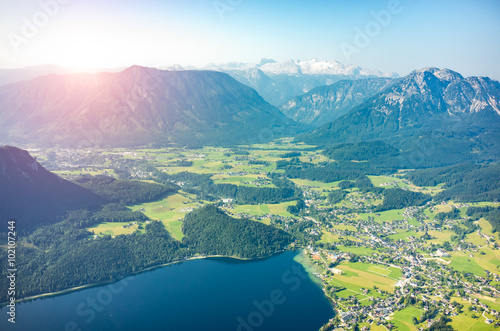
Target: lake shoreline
x,y
304,260
82,287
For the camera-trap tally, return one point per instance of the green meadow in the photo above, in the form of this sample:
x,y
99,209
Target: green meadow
x,y
113,228
403,319
361,275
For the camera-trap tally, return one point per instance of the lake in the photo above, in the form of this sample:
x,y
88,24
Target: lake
x,y
206,294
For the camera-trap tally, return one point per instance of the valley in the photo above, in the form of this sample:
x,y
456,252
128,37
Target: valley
x,y
394,264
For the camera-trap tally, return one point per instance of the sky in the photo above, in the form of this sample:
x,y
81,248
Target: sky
x,y
391,36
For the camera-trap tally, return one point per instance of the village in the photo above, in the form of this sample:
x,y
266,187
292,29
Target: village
x,y
427,281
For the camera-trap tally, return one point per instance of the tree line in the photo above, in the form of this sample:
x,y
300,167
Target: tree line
x,y
462,182
126,192
328,172
396,198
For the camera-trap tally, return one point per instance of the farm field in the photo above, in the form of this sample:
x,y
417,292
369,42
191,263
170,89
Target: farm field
x,y
315,185
466,322
403,319
389,180
440,236
172,208
357,250
463,263
263,209
359,275
170,211
174,228
114,228
247,180
328,238
384,216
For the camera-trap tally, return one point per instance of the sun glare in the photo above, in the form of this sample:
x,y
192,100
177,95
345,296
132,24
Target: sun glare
x,y
83,50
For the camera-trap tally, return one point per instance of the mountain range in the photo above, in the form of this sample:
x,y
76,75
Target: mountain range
x,y
326,103
459,117
10,76
135,107
278,82
142,106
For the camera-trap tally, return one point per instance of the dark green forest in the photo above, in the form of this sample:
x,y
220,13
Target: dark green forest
x,y
209,231
336,196
127,192
63,255
396,198
332,171
374,151
462,182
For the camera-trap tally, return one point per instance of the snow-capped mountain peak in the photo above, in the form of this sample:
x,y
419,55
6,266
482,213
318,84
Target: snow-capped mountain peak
x,y
278,82
173,67
318,67
441,74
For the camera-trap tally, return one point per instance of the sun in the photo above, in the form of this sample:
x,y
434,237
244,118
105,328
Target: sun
x,y
89,49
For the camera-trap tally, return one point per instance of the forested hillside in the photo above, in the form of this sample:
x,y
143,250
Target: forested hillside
x,y
463,182
210,231
125,191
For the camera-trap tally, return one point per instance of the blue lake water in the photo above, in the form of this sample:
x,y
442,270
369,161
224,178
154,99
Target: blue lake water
x,y
209,294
